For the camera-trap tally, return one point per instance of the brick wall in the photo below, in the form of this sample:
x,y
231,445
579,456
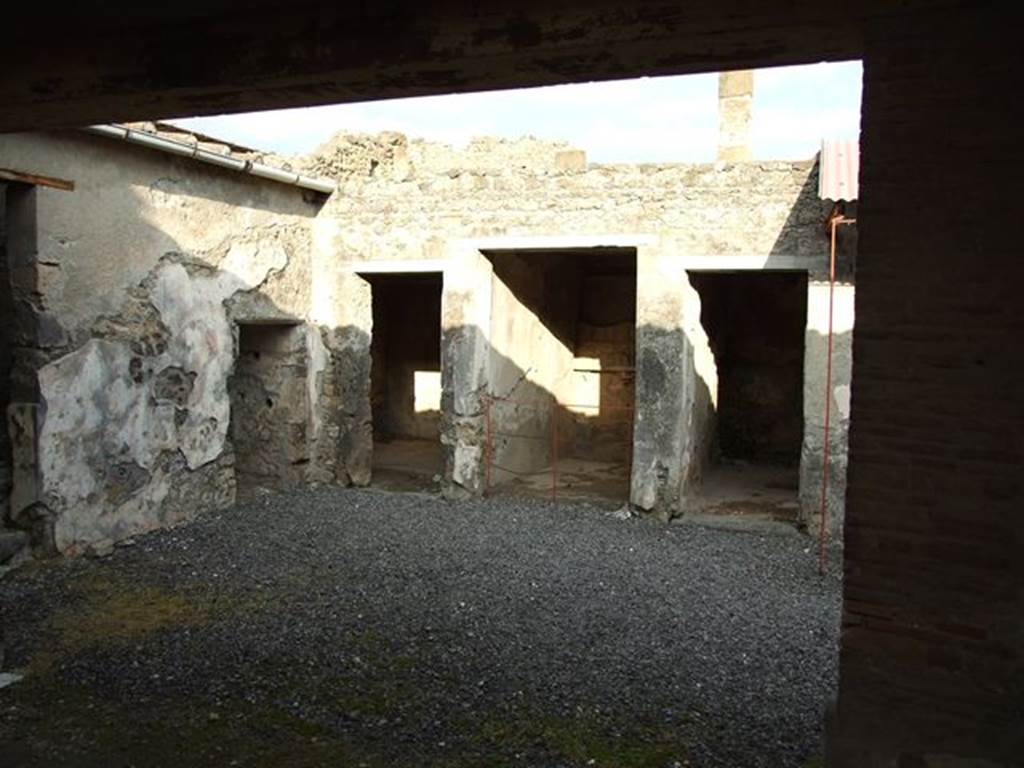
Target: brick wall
x,y
932,656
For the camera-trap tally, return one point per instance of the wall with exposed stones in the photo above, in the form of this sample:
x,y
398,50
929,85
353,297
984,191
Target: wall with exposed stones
x,y
408,204
270,407
131,288
127,301
602,388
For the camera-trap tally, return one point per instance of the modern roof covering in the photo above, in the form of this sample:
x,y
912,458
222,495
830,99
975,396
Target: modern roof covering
x,y
838,170
223,154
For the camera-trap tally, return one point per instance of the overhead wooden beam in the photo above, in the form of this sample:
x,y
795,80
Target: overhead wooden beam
x,y
8,174
135,63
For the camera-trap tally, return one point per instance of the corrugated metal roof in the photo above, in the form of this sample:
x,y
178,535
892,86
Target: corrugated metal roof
x,y
838,170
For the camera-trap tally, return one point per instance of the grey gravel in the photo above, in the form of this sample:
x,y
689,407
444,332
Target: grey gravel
x,y
327,626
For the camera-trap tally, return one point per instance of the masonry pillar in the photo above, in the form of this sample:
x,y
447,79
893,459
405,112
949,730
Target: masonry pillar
x,y
342,316
735,104
465,355
932,641
812,451
675,386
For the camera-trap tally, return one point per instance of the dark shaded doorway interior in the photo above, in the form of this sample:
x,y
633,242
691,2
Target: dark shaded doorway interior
x,y
405,380
6,345
755,322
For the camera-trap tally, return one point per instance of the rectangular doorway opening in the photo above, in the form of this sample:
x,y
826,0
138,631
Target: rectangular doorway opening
x,y
268,392
19,248
755,322
563,340
405,380
6,357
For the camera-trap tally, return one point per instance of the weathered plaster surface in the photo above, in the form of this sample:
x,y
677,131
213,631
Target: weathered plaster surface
x,y
139,278
130,206
140,275
270,408
401,202
465,367
815,395
109,419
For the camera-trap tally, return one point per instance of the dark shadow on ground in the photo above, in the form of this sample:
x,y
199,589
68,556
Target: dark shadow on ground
x,y
337,627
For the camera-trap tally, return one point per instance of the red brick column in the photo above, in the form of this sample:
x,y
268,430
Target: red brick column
x,y
932,649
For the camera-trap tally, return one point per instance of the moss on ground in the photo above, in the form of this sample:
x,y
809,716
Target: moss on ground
x,y
584,738
73,724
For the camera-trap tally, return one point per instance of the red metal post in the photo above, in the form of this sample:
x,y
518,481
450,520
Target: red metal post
x,y
554,449
488,445
834,223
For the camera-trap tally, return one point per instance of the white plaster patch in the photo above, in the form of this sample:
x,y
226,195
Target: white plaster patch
x,y
842,308
466,464
250,263
316,355
644,491
200,341
841,395
95,416
99,414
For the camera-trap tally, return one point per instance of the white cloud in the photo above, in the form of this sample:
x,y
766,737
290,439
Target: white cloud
x,y
666,119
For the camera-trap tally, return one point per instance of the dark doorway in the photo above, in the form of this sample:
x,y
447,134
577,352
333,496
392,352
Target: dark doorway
x,y
18,251
6,357
755,322
405,380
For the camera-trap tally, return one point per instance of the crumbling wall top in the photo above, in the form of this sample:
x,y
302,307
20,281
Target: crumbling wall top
x,y
494,155
393,156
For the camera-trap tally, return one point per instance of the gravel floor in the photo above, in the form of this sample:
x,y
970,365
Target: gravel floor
x,y
358,628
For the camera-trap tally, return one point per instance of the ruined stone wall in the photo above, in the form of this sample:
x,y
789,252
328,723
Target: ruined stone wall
x,y
416,202
270,408
412,198
132,287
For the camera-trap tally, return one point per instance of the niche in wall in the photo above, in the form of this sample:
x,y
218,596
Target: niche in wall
x,y
269,407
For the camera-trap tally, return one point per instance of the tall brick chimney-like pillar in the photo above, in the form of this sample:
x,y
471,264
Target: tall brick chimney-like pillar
x,y
735,100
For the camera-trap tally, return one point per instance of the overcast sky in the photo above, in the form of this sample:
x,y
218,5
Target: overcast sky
x,y
664,119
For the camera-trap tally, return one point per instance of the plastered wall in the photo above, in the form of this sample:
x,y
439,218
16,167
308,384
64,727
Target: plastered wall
x,y
402,202
127,298
179,253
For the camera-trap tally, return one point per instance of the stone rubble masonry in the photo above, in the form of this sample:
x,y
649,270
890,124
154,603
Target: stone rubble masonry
x,y
270,407
137,282
417,204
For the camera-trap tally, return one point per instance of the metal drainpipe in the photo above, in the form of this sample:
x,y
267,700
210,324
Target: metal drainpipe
x,y
142,138
834,221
